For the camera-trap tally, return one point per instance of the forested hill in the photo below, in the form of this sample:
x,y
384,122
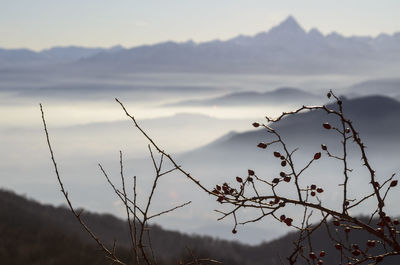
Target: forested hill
x,y
32,233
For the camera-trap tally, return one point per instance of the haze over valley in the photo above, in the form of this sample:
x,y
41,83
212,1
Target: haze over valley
x,y
198,100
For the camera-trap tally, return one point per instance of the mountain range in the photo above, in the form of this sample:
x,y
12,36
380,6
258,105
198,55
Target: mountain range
x,y
279,96
285,49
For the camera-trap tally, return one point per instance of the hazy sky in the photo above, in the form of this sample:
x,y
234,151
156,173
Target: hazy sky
x,y
39,24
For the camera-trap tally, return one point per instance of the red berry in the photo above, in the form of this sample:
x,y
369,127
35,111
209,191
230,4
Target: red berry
x,y
262,145
376,183
336,223
347,130
371,243
234,231
287,179
282,218
313,186
239,179
322,253
277,154
288,221
327,126
393,183
282,174
313,193
275,181
338,246
317,156
220,198
218,187
347,229
251,172
283,163
356,252
320,190
323,147
312,255
320,262
256,124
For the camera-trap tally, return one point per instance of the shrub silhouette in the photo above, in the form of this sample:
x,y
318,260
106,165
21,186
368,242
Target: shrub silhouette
x,y
379,230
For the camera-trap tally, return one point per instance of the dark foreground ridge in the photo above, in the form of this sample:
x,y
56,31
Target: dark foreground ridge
x,y
32,233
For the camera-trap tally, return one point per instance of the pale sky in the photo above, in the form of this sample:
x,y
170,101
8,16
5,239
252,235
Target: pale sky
x,y
39,24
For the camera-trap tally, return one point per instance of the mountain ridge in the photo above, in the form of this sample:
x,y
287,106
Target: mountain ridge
x,y
285,49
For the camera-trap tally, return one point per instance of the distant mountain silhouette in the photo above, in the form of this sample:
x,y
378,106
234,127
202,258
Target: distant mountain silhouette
x,y
375,118
383,86
285,95
285,49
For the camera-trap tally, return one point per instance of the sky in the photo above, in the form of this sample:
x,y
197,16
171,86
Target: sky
x,y
40,24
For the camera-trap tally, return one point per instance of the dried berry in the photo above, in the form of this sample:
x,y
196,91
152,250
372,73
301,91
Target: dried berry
x,y
336,223
356,252
282,217
277,154
288,221
339,102
251,172
312,255
218,187
320,190
347,130
320,262
256,124
282,174
327,126
371,243
313,186
329,95
239,179
393,183
322,253
323,147
262,145
396,222
283,163
317,156
234,231
215,191
313,193
338,246
220,198
287,179
347,229
275,181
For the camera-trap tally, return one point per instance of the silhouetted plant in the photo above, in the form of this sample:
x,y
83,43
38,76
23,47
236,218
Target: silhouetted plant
x,y
254,192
